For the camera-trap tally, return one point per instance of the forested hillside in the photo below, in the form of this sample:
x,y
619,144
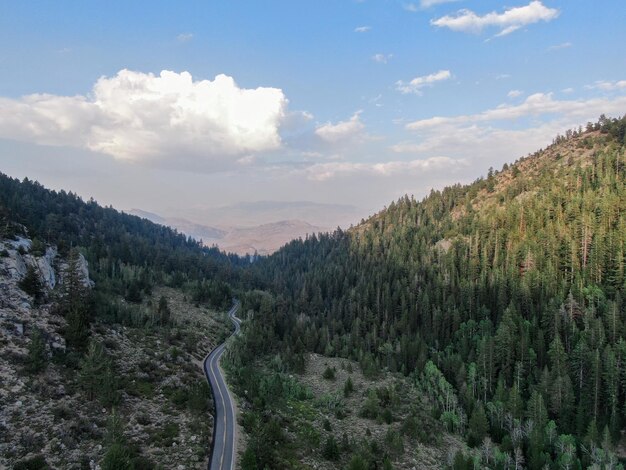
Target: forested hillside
x,y
502,299
126,253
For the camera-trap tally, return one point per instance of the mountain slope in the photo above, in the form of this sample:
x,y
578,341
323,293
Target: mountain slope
x,y
77,355
511,287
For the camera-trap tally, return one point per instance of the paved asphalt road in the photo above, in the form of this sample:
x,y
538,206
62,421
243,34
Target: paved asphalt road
x,y
223,456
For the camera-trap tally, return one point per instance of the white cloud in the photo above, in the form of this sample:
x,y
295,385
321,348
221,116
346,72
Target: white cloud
x,y
416,85
326,171
511,20
341,131
247,160
558,47
538,104
382,58
607,85
483,145
484,139
430,3
141,117
362,29
514,93
184,37
423,4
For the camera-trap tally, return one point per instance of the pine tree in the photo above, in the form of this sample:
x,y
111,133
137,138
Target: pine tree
x,y
74,303
163,311
32,285
96,375
478,426
37,360
348,387
91,369
117,456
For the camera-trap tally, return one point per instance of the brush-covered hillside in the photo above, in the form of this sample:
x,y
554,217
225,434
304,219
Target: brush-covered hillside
x,y
104,321
502,299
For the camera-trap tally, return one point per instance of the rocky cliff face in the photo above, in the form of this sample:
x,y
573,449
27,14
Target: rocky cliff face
x,y
17,313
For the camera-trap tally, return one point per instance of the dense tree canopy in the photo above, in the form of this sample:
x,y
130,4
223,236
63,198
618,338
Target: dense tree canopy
x,y
504,298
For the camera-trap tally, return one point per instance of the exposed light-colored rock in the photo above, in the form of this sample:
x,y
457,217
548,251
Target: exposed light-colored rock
x,y
46,269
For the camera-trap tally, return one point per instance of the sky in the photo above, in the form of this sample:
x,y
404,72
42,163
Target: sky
x,y
177,107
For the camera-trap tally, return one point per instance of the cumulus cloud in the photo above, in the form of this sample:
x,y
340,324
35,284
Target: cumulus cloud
x,y
607,85
362,29
341,131
415,86
514,93
382,58
146,118
510,20
325,171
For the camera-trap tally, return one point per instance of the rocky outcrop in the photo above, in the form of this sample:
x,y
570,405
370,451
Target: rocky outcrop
x,y
46,270
83,268
17,258
18,318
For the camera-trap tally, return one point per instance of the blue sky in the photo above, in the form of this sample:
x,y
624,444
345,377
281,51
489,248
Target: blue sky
x,y
349,90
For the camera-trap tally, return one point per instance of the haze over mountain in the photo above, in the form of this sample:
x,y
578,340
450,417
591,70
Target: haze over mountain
x,y
261,239
264,212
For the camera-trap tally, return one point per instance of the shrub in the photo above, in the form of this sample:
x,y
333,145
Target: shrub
x,y
38,462
371,407
348,388
330,451
117,457
168,433
394,442
358,463
330,373
37,359
38,248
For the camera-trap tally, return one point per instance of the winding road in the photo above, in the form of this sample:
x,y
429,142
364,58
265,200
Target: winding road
x,y
223,446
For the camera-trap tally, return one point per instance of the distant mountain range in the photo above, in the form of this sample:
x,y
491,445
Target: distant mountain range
x,y
262,239
249,214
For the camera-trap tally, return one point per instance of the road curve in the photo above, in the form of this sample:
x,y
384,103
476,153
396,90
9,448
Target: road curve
x,y
223,446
